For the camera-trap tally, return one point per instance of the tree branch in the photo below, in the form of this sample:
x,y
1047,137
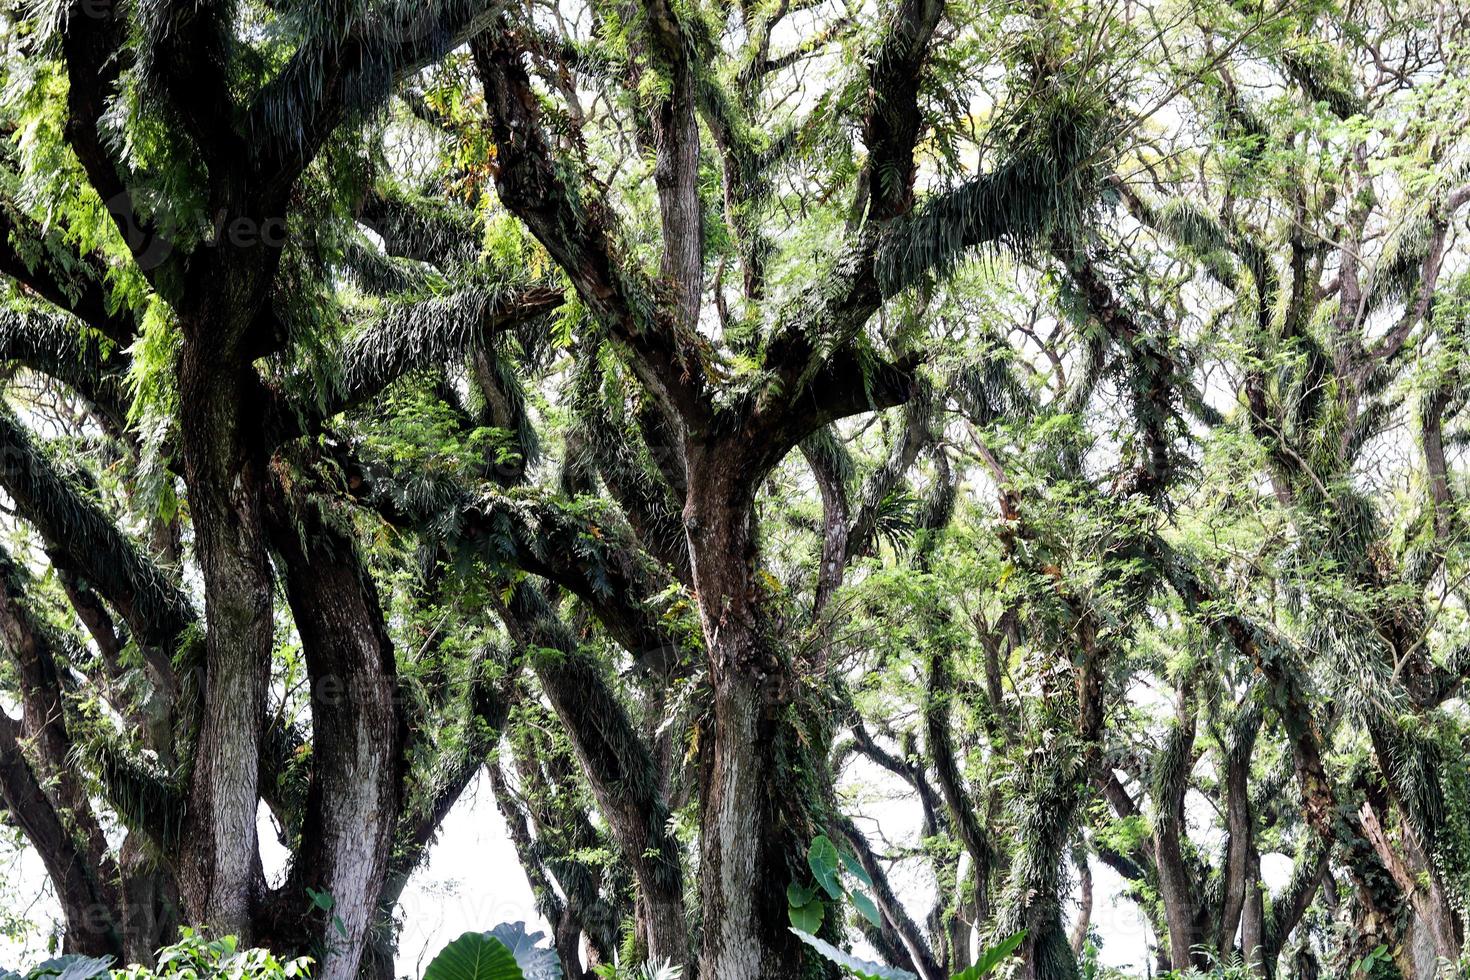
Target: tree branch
x,y
580,233
76,530
347,68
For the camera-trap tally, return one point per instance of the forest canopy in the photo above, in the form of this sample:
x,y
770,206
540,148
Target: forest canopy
x,y
708,420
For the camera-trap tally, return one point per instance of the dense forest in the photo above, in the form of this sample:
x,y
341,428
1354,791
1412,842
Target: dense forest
x,y
684,415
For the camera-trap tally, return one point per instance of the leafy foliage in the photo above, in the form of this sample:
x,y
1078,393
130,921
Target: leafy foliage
x,y
507,952
1046,420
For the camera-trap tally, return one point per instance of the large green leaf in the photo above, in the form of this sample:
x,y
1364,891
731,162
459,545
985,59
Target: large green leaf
x,y
808,917
855,868
823,861
475,956
536,961
73,967
799,894
992,957
865,905
865,969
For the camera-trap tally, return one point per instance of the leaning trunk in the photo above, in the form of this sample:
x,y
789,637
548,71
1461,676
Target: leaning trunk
x,y
86,903
619,768
357,735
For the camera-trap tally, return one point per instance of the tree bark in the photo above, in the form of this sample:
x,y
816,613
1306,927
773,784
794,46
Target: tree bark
x,y
1084,911
30,644
358,731
87,902
1240,832
618,765
1253,921
756,814
963,814
895,917
1176,888
220,877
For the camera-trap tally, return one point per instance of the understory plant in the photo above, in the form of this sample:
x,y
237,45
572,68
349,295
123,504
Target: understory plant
x,y
193,956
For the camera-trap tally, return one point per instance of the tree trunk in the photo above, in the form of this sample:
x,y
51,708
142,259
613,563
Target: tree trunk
x,y
756,814
150,896
86,902
358,733
619,768
1253,920
1084,902
1422,882
1175,885
896,920
1240,835
220,874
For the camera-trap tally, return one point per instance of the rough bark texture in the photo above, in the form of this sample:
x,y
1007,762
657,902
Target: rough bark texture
x,y
358,731
618,766
220,876
87,902
753,821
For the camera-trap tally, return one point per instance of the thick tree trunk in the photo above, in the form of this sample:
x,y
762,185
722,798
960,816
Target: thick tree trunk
x,y
1054,800
676,174
1033,895
1422,880
756,813
220,872
358,733
150,897
741,853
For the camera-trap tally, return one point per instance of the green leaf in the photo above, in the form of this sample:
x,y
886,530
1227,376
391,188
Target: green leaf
x,y
475,956
823,861
322,900
992,957
865,905
536,962
855,868
858,968
74,967
808,916
798,894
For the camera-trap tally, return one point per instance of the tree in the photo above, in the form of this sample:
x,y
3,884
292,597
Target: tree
x,y
660,416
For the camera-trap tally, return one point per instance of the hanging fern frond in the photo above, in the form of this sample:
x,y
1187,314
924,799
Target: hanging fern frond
x,y
421,228
413,335
348,59
75,527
